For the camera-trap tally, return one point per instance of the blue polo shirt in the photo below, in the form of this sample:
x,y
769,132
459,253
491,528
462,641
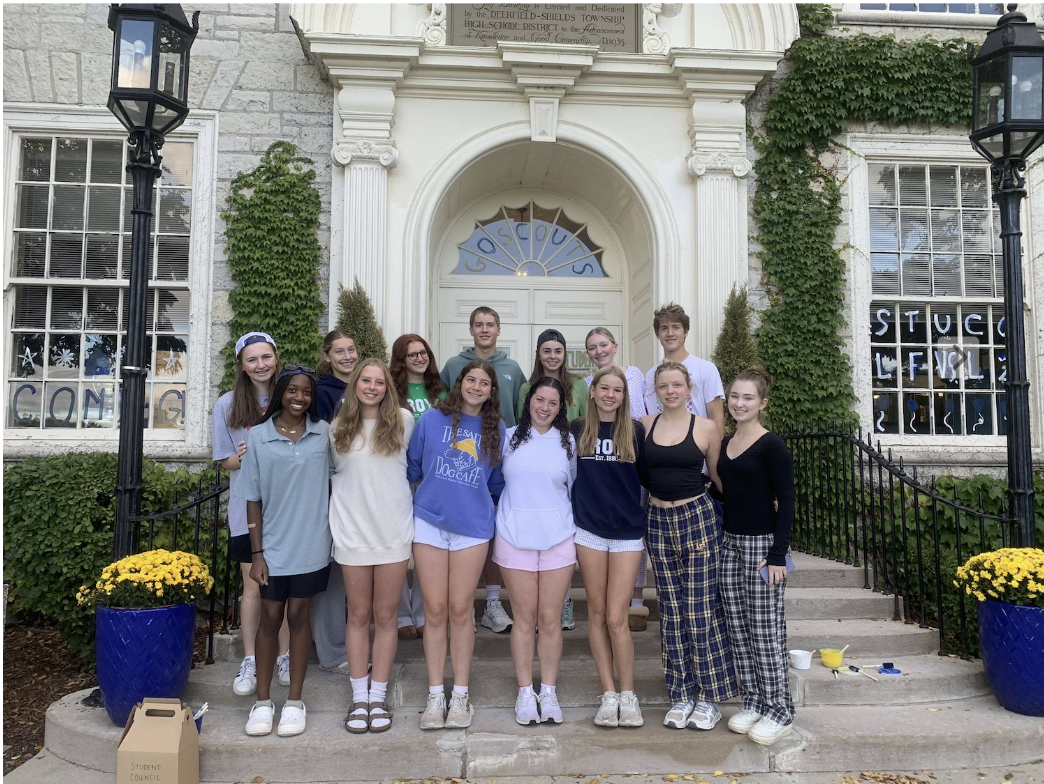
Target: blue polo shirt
x,y
292,482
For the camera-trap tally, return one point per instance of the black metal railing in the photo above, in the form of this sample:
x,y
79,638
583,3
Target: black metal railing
x,y
198,526
855,505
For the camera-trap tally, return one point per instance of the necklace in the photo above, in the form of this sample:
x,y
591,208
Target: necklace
x,y
285,429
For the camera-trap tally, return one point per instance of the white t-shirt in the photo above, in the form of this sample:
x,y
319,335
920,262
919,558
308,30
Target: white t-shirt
x,y
706,386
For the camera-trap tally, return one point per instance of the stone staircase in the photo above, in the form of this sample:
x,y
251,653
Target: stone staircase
x,y
938,713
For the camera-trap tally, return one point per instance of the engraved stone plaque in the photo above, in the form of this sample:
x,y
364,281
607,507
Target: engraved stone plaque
x,y
615,27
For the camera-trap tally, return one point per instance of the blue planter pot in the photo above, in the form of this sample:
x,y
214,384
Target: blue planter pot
x,y
1012,643
142,653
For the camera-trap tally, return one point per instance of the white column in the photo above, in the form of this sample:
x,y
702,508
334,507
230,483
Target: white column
x,y
365,225
721,239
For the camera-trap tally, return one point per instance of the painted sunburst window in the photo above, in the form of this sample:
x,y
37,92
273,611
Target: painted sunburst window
x,y
530,241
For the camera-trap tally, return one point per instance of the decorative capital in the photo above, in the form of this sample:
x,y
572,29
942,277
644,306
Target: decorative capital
x,y
345,152
433,29
701,163
655,40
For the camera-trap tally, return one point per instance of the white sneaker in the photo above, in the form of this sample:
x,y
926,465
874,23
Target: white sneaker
x,y
526,708
630,713
767,731
459,713
434,716
678,715
609,711
549,707
743,721
340,669
259,722
291,721
568,624
246,681
283,668
496,618
704,716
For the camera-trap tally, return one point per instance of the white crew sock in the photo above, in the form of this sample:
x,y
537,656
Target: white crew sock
x,y
528,689
492,593
637,603
359,690
378,691
440,689
460,690
546,688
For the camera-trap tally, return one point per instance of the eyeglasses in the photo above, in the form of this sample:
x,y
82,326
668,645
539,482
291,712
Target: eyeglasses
x,y
414,356
297,370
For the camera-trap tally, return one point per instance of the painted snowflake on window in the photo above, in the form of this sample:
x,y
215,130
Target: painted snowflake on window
x,y
530,241
64,358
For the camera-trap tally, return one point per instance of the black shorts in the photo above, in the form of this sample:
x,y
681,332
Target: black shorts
x,y
239,549
296,586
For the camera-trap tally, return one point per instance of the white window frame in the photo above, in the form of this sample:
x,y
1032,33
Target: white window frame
x,y
911,148
201,127
852,14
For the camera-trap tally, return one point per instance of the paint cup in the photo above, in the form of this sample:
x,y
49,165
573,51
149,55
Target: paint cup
x,y
800,660
831,657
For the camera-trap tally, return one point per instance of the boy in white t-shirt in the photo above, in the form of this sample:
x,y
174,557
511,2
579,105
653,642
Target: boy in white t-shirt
x,y
707,398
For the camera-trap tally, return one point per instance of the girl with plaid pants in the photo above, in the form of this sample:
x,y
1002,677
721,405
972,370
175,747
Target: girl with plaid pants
x,y
684,541
756,476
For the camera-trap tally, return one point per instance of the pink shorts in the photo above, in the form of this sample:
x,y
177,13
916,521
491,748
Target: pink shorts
x,y
508,556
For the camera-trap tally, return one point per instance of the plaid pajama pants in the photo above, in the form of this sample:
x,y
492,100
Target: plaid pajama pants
x,y
684,543
757,627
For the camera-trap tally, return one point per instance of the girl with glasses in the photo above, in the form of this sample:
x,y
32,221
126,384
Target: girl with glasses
x,y
371,519
285,482
235,412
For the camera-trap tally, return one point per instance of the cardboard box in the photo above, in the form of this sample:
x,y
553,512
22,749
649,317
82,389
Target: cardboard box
x,y
160,744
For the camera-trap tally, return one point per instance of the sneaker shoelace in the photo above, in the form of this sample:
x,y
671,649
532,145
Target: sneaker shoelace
x,y
705,707
459,702
550,699
247,668
526,701
434,701
681,707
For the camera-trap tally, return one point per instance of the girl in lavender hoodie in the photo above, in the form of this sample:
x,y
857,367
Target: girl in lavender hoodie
x,y
455,455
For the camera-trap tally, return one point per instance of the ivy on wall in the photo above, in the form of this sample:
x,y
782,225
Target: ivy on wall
x,y
273,252
797,203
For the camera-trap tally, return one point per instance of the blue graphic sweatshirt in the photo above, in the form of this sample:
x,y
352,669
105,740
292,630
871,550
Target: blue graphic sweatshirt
x,y
458,487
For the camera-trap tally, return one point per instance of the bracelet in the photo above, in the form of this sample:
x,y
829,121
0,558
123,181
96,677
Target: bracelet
x,y
256,552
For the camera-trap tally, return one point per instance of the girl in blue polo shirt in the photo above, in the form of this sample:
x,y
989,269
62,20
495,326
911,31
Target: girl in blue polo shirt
x,y
285,480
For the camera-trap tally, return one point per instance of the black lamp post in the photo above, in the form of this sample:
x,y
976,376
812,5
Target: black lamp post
x,y
1007,126
149,96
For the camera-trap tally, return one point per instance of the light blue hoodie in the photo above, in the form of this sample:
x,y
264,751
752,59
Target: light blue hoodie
x,y
458,487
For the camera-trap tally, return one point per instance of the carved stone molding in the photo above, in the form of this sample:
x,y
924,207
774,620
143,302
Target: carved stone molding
x,y
344,152
543,112
655,40
701,163
433,29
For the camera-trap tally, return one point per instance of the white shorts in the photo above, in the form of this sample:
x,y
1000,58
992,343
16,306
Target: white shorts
x,y
595,542
425,533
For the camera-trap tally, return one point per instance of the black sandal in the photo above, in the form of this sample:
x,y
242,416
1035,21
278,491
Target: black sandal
x,y
364,716
379,710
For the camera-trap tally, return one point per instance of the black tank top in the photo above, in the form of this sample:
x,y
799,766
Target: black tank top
x,y
674,472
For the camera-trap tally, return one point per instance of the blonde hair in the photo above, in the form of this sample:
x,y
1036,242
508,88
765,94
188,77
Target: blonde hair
x,y
623,425
604,333
389,435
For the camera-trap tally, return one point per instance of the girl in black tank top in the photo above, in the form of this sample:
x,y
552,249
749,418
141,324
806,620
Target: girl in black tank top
x,y
684,542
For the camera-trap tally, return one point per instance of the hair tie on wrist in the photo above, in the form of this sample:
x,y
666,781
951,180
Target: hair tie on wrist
x,y
256,552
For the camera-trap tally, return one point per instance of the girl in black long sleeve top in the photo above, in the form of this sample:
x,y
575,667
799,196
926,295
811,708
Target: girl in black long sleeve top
x,y
757,480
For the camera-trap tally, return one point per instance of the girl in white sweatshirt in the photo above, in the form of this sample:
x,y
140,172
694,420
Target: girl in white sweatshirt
x,y
534,542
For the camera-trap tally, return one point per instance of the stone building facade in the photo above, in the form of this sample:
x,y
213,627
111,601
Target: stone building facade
x,y
451,170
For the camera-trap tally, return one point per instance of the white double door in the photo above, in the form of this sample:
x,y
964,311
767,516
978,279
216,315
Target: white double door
x,y
525,313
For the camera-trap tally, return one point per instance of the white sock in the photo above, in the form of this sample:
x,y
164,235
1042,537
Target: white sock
x,y
359,690
627,693
546,688
378,691
440,689
460,690
526,689
492,593
637,603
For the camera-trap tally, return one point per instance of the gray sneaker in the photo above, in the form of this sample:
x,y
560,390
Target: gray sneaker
x,y
496,618
460,711
434,716
704,716
568,624
630,713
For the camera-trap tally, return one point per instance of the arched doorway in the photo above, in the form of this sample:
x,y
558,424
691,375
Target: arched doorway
x,y
549,235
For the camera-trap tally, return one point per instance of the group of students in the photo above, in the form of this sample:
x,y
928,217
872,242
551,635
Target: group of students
x,y
483,471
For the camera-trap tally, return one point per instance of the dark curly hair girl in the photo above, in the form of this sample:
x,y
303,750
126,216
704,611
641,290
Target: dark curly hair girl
x,y
490,412
560,423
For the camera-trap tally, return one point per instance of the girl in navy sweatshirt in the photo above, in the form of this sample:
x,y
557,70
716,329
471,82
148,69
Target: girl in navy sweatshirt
x,y
339,356
611,524
455,455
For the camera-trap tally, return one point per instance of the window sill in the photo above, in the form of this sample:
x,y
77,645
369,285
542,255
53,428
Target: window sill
x,y
164,451
917,19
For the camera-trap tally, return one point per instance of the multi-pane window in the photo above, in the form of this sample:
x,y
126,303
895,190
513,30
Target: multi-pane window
x,y
937,331
69,258
937,8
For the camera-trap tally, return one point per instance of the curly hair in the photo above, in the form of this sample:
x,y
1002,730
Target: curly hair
x,y
490,412
524,430
397,367
389,434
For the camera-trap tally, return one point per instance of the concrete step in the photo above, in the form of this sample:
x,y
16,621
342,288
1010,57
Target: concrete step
x,y
805,604
968,733
926,678
810,571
